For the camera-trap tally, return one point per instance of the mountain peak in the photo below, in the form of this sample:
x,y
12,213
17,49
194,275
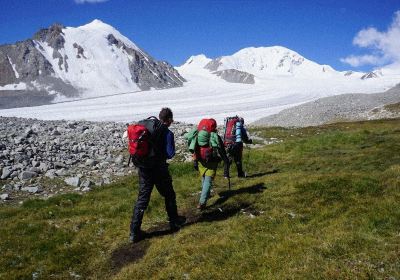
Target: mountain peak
x,y
276,50
197,60
97,24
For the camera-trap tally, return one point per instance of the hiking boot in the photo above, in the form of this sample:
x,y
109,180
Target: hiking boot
x,y
136,237
242,175
201,206
177,223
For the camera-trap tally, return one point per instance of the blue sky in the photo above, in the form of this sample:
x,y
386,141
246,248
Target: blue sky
x,y
349,34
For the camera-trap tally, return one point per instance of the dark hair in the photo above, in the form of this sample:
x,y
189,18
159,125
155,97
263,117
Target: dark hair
x,y
165,114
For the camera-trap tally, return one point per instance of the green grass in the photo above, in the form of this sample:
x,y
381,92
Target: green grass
x,y
323,204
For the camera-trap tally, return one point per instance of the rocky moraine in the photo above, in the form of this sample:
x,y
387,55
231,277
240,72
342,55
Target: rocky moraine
x,y
43,158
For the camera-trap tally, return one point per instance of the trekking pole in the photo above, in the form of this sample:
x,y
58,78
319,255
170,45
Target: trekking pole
x,y
247,158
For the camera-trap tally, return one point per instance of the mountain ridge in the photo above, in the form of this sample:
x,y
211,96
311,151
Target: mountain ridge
x,y
91,59
270,62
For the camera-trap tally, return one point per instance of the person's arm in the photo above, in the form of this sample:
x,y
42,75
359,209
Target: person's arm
x,y
170,149
245,136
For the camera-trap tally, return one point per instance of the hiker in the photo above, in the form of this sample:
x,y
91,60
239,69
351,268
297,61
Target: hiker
x,y
208,150
234,137
149,152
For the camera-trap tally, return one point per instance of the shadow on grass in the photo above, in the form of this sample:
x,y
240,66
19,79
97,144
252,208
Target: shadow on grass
x,y
225,195
131,253
127,254
255,175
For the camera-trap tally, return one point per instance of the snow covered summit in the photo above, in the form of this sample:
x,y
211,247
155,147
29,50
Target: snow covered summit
x,y
269,61
262,63
91,60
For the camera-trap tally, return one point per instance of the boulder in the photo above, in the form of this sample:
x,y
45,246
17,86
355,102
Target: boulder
x,y
6,172
26,175
31,189
73,181
86,184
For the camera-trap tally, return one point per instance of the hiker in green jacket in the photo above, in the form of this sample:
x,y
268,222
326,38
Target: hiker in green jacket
x,y
208,150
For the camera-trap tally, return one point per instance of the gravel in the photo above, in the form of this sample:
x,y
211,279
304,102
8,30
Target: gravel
x,y
345,107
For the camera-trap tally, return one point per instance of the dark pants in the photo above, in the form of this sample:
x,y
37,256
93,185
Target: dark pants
x,y
235,153
148,177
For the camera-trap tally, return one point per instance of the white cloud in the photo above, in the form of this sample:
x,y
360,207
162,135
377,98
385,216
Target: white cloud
x,y
360,60
384,45
89,1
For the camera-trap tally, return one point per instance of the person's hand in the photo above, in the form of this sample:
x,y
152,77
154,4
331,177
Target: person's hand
x,y
195,165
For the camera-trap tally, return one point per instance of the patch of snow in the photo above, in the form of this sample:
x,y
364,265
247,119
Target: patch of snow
x,y
13,67
19,86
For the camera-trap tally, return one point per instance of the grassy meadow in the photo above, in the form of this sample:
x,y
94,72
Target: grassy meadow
x,y
322,204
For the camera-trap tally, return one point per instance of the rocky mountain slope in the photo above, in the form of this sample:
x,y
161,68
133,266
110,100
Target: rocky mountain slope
x,y
90,60
345,107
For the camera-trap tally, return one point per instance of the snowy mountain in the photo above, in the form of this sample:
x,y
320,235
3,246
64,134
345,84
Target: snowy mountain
x,y
264,63
269,61
90,60
253,83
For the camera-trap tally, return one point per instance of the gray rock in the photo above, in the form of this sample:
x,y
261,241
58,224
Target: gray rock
x,y
35,169
106,180
61,172
73,181
59,165
18,140
4,196
17,187
86,184
99,183
235,76
7,188
86,189
51,174
26,175
6,172
28,132
90,162
119,159
32,189
43,167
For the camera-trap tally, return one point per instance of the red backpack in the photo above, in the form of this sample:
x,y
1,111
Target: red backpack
x,y
206,153
143,138
209,125
230,130
138,141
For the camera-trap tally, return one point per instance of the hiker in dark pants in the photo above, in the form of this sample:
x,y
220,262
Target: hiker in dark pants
x,y
156,173
235,150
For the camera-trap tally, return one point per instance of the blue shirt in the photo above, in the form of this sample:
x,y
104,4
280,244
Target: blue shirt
x,y
170,147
